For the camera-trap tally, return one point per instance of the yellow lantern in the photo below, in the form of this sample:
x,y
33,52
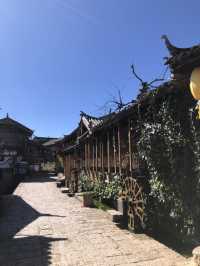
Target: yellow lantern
x,y
195,87
195,83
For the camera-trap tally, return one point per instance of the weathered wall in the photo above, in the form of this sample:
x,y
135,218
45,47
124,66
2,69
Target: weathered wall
x,y
11,137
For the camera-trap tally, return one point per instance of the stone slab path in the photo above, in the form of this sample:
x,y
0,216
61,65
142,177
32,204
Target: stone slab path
x,y
40,226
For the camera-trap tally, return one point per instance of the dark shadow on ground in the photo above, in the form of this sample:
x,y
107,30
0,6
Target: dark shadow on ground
x,y
183,247
39,179
16,214
27,251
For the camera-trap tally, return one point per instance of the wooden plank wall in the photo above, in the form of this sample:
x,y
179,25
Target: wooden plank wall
x,y
108,152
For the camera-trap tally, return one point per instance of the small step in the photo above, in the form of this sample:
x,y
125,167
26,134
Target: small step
x,y
70,194
65,190
60,183
79,197
115,216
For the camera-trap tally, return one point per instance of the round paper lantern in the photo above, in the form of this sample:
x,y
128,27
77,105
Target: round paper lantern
x,y
195,83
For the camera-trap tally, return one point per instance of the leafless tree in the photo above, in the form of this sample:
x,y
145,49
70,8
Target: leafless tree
x,y
144,86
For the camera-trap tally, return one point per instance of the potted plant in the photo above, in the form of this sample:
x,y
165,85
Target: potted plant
x,y
108,191
87,190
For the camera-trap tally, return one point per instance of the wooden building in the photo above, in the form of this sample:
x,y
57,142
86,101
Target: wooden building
x,y
19,147
104,147
14,139
101,147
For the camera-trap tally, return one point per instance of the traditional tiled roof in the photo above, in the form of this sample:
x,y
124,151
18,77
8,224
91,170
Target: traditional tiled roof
x,y
52,142
182,60
7,121
42,140
92,122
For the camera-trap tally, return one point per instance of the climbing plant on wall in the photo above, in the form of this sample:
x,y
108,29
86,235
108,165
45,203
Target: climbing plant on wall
x,y
168,142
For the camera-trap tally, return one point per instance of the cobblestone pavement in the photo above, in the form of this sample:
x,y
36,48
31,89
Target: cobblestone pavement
x,y
40,226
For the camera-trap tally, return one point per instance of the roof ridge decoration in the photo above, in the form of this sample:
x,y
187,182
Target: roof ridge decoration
x,y
88,116
182,61
173,50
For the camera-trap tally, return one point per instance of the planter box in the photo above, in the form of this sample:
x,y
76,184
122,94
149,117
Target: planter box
x,y
122,206
88,199
119,204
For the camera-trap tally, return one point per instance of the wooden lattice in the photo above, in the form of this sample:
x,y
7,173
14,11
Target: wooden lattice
x,y
132,191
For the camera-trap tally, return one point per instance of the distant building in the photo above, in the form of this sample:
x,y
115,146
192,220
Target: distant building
x,y
14,139
18,147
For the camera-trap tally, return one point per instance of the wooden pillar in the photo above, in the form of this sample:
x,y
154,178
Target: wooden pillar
x,y
89,162
69,166
102,157
108,151
64,162
84,156
119,148
74,160
93,155
129,146
96,154
114,151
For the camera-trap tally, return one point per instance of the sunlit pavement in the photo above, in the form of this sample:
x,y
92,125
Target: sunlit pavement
x,y
41,226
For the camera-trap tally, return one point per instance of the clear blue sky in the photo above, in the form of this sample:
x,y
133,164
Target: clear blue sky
x,y
58,57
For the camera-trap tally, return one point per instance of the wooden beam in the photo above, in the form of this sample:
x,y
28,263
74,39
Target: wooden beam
x,y
129,146
96,154
102,157
69,166
119,148
93,157
85,149
114,151
89,161
108,150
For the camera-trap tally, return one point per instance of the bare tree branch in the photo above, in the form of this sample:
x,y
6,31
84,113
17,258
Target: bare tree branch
x,y
134,73
155,80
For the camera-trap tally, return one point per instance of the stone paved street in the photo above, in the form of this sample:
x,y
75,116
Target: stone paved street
x,y
41,226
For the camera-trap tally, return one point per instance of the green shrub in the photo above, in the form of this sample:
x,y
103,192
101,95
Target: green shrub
x,y
86,183
107,190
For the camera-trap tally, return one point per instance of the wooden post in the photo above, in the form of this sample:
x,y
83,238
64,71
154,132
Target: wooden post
x,y
96,155
69,170
108,151
74,160
89,162
64,160
114,150
84,156
86,147
87,165
93,153
129,146
102,157
119,148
